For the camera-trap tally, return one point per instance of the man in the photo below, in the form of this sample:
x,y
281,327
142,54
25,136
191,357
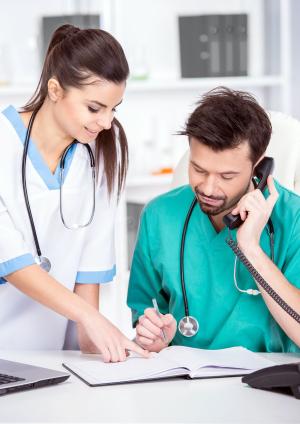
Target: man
x,y
228,135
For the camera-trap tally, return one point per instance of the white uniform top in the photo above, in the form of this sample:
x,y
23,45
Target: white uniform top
x,y
85,255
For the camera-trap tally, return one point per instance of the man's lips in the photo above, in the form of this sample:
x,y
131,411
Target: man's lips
x,y
209,200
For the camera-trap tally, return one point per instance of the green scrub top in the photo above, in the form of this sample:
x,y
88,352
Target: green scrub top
x,y
226,317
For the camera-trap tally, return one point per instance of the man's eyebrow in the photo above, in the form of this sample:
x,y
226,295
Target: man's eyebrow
x,y
222,173
102,104
230,172
196,165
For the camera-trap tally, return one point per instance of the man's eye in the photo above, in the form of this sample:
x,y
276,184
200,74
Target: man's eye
x,y
227,177
91,109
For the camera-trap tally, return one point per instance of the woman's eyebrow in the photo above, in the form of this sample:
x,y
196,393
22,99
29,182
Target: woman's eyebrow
x,y
102,104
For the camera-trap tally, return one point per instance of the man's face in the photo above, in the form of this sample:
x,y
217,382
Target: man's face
x,y
219,178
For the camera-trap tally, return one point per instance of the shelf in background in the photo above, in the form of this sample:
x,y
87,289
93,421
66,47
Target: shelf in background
x,y
17,90
148,180
196,83
168,84
142,188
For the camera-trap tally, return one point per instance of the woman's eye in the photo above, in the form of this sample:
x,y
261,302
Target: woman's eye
x,y
91,109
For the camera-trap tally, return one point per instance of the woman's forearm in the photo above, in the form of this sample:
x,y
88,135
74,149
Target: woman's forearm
x,y
40,286
90,293
97,331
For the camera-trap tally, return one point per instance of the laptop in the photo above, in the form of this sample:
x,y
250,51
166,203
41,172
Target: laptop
x,y
15,376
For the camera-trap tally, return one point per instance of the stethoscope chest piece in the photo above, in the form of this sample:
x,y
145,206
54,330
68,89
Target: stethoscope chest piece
x,y
188,326
43,262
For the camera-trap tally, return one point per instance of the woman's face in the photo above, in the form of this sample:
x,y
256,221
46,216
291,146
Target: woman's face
x,y
82,113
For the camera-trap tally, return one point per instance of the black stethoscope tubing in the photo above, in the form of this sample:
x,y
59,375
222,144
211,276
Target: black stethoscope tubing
x,y
182,247
62,166
24,183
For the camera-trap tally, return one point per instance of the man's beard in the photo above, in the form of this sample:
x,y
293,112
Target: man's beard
x,y
226,204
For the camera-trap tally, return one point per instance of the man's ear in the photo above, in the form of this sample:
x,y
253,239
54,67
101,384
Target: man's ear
x,y
259,160
55,91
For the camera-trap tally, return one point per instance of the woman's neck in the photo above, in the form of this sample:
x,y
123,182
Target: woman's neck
x,y
50,140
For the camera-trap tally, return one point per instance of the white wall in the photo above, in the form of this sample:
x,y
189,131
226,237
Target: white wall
x,y
152,111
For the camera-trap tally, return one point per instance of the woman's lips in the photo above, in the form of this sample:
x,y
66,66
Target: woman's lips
x,y
92,133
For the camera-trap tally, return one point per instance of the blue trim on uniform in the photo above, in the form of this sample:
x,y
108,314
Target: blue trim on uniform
x,y
15,264
52,181
99,277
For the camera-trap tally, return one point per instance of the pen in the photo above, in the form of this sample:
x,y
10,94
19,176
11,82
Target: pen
x,y
155,305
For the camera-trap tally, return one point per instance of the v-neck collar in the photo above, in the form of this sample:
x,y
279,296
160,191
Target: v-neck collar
x,y
207,227
52,181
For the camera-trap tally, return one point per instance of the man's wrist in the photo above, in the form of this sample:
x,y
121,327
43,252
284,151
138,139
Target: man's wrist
x,y
252,252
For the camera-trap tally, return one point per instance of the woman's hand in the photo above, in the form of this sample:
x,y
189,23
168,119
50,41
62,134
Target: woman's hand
x,y
255,211
149,330
98,335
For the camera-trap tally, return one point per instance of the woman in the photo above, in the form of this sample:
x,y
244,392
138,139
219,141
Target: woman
x,y
48,191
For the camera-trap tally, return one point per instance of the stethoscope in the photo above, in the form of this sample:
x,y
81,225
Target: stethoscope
x,y
41,260
188,326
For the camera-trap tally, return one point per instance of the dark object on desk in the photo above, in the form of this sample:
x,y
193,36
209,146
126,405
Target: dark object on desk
x,y
15,376
278,377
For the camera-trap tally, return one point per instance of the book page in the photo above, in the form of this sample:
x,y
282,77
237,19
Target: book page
x,y
93,370
171,361
231,358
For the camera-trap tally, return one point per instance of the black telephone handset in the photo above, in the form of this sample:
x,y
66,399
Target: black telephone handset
x,y
262,171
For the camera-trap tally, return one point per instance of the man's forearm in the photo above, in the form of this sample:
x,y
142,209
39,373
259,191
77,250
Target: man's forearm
x,y
289,293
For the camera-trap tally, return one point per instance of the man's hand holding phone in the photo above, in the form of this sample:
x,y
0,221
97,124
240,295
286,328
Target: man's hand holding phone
x,y
255,211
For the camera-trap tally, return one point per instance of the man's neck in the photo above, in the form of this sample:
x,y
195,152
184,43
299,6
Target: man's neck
x,y
217,221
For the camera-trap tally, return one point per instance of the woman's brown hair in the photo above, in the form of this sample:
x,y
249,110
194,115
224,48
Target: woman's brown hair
x,y
72,57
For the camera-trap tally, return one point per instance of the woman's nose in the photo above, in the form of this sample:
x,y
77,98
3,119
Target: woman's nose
x,y
105,121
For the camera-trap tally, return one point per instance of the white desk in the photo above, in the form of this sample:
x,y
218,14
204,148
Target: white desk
x,y
222,400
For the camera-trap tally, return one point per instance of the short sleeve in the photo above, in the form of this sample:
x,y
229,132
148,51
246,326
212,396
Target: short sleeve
x,y
145,281
97,262
14,254
291,271
291,266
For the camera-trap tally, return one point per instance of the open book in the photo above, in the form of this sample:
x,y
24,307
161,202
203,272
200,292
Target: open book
x,y
173,361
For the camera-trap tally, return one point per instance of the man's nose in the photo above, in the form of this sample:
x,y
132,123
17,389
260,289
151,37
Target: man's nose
x,y
208,186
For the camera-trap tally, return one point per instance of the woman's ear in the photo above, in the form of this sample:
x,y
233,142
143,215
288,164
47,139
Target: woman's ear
x,y
55,91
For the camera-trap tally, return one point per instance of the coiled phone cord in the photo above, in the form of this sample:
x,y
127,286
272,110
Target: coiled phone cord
x,y
259,279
